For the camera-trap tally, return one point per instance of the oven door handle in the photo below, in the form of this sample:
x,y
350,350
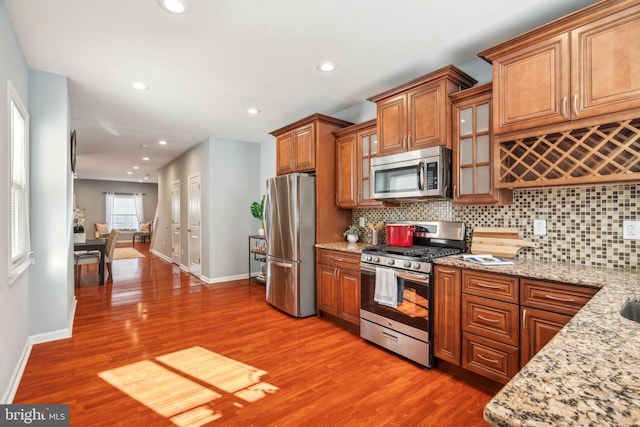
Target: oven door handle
x,y
416,277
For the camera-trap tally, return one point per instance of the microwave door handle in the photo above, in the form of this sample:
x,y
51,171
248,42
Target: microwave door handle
x,y
421,176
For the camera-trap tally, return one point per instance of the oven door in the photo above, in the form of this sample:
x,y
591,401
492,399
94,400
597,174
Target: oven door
x,y
414,298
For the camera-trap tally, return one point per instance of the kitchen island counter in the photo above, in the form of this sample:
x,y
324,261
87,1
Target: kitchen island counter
x,y
589,373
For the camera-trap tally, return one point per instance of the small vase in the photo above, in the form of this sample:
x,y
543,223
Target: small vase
x,y
260,231
79,237
352,238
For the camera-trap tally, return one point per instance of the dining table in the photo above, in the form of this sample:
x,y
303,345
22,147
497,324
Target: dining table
x,y
94,245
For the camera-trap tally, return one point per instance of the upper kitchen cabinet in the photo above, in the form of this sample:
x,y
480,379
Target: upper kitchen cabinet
x,y
416,114
297,144
580,66
473,148
355,147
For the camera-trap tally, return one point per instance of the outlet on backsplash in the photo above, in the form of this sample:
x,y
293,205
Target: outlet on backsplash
x,y
631,230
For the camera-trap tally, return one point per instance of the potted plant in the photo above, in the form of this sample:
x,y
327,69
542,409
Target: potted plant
x,y
79,235
352,233
257,211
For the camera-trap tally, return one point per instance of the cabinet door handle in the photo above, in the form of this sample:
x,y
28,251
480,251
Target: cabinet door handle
x,y
339,259
488,320
524,319
486,359
564,107
559,299
409,140
575,104
404,142
482,285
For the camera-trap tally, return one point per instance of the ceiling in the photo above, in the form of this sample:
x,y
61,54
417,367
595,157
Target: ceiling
x,y
206,68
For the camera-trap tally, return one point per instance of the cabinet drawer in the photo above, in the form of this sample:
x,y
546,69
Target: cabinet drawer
x,y
489,358
491,319
339,259
495,286
556,297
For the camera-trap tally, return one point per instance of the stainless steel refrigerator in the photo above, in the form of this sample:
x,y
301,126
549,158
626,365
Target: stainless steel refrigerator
x,y
290,232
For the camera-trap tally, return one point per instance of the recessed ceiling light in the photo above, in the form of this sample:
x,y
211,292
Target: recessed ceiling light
x,y
146,159
327,66
146,177
162,142
129,173
174,6
139,86
253,111
136,167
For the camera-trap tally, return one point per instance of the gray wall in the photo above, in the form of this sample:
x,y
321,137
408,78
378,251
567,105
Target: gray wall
x,y
230,175
14,298
89,195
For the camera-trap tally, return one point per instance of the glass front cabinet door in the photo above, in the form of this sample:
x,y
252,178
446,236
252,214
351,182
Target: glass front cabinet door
x,y
472,148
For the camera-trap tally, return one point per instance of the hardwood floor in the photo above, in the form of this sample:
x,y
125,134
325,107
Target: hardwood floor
x,y
155,346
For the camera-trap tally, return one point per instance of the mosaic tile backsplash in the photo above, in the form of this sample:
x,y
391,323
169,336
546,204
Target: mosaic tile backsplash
x,y
584,224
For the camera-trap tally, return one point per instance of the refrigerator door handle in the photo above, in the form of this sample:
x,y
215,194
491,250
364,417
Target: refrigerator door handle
x,y
281,264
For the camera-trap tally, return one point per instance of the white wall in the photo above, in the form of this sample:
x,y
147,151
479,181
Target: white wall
x,y
51,277
14,299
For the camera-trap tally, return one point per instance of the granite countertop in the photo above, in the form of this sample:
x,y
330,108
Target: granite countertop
x,y
343,246
589,373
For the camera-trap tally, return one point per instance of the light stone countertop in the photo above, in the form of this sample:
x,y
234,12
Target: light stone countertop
x,y
589,373
343,246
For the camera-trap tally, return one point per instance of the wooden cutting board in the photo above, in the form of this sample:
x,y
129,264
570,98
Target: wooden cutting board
x,y
503,242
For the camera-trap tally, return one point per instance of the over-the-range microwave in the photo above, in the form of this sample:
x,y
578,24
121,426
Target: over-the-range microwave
x,y
414,175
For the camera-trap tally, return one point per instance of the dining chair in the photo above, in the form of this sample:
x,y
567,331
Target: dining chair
x,y
84,258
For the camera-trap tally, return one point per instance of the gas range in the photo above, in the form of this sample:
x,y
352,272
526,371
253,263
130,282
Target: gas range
x,y
413,258
432,239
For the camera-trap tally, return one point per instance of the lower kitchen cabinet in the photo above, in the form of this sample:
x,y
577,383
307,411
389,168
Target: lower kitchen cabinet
x,y
338,284
538,327
492,324
446,323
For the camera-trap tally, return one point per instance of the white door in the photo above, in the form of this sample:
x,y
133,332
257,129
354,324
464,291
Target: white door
x,y
195,266
175,222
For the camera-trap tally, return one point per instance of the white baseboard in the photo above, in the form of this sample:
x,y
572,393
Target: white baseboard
x,y
16,376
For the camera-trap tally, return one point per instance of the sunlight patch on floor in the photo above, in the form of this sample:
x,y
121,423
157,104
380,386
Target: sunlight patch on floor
x,y
166,392
219,371
174,394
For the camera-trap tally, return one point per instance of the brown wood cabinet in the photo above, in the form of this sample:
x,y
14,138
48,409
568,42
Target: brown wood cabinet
x,y
308,145
492,324
545,308
446,320
338,284
417,114
355,147
580,66
473,181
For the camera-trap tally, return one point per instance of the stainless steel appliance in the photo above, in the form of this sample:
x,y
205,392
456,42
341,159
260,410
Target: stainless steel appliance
x,y
414,175
290,233
406,328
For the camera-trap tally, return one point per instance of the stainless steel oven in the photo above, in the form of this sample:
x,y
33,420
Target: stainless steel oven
x,y
401,278
405,328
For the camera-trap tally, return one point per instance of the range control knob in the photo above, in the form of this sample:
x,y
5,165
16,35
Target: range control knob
x,y
368,258
390,262
416,265
376,259
407,264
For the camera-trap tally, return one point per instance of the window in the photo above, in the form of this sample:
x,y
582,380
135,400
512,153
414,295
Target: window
x,y
19,172
124,211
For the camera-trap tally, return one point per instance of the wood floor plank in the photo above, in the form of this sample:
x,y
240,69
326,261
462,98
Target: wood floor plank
x,y
315,373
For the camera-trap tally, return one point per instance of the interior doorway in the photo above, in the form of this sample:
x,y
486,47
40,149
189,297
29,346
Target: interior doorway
x,y
175,223
194,214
